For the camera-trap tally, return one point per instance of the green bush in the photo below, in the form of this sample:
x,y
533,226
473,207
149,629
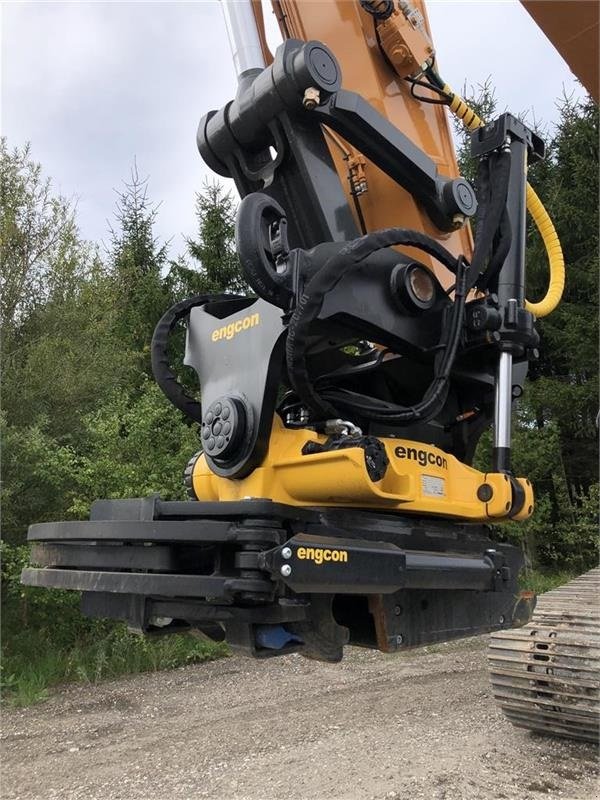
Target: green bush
x,y
46,641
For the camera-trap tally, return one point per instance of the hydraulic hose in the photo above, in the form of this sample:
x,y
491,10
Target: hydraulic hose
x,y
555,256
540,216
325,404
163,374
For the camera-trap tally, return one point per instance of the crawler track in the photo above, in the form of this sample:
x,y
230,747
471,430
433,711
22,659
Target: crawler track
x,y
546,675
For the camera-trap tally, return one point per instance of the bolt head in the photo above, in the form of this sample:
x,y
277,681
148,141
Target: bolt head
x,y
501,620
311,99
286,552
286,570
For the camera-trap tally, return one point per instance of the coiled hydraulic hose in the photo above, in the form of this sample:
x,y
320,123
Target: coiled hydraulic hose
x,y
540,216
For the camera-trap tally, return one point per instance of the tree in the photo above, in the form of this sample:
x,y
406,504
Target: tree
x,y
564,383
40,248
58,352
137,261
218,267
482,99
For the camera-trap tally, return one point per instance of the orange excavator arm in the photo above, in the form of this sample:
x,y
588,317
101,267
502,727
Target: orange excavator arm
x,y
355,36
572,27
385,50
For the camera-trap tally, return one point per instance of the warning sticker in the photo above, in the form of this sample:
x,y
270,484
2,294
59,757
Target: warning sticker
x,y
433,486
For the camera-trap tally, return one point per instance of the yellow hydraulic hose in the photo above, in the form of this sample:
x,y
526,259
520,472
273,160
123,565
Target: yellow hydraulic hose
x,y
539,214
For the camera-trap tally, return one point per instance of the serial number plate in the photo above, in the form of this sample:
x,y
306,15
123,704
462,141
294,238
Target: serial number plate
x,y
433,486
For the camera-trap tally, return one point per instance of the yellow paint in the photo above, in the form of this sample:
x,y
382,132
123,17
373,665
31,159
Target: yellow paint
x,y
321,555
431,482
233,328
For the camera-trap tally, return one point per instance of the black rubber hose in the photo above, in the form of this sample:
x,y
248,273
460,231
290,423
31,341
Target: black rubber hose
x,y
437,392
500,252
494,209
163,374
310,303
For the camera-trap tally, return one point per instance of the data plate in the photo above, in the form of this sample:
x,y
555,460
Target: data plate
x,y
433,486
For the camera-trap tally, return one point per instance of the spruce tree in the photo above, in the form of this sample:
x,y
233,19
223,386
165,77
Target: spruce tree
x,y
137,262
216,267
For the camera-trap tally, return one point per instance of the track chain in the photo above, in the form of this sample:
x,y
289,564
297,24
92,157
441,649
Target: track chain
x,y
546,675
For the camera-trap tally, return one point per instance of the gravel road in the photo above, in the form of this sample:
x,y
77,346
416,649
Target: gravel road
x,y
421,726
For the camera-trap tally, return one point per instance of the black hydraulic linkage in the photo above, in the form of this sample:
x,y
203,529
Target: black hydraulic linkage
x,y
273,578
271,111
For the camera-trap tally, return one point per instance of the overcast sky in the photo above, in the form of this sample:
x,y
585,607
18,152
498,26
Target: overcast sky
x,y
92,85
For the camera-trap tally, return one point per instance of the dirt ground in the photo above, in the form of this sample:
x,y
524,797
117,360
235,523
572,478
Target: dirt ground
x,y
418,726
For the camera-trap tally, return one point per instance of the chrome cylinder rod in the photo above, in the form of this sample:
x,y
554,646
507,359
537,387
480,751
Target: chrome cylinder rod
x,y
243,35
503,414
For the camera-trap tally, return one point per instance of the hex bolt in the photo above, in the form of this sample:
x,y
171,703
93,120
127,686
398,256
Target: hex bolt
x,y
286,570
311,99
286,552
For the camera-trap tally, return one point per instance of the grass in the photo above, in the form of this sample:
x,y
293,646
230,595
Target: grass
x,y
32,664
46,641
539,582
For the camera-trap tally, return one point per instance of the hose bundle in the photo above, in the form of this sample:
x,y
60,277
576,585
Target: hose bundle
x,y
328,403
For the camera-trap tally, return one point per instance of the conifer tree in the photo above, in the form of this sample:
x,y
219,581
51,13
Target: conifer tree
x,y
137,261
217,267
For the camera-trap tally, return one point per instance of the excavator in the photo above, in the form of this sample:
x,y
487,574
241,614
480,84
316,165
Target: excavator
x,y
334,500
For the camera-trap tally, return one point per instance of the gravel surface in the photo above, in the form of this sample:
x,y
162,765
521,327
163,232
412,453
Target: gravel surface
x,y
420,726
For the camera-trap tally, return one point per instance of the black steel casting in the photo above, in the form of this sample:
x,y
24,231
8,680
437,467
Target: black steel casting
x,y
272,578
270,115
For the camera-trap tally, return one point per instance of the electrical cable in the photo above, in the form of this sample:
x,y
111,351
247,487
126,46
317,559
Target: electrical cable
x,y
442,100
431,100
379,9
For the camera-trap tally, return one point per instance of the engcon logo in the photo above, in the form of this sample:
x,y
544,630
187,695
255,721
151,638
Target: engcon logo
x,y
231,330
422,457
320,555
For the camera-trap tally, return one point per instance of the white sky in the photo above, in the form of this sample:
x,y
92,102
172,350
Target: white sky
x,y
94,84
